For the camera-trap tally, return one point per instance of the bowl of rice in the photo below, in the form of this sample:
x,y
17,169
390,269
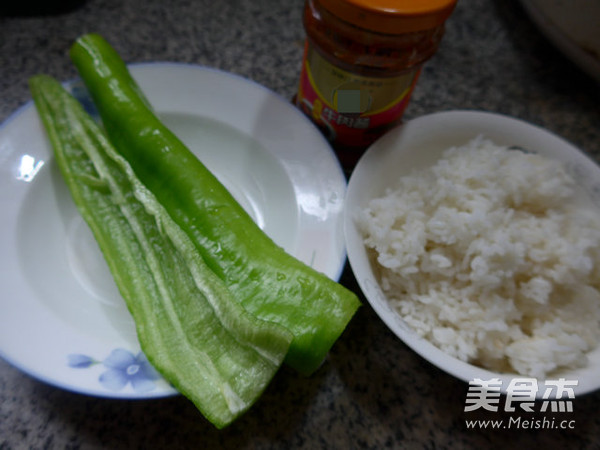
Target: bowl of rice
x,y
475,237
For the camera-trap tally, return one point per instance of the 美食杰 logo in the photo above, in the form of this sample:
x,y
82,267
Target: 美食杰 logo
x,y
522,395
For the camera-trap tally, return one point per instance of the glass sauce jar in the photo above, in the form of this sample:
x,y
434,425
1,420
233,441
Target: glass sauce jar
x,y
361,61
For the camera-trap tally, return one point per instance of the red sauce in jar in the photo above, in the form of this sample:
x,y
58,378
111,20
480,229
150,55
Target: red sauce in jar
x,y
362,59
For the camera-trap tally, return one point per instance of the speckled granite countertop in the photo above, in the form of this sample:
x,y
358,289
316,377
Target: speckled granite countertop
x,y
372,392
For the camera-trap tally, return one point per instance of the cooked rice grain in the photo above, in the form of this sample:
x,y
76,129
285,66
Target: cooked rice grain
x,y
487,255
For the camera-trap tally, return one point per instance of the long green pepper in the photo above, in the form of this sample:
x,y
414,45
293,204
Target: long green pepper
x,y
189,326
268,282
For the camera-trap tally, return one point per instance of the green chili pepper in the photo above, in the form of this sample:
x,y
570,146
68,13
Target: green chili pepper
x,y
266,280
193,332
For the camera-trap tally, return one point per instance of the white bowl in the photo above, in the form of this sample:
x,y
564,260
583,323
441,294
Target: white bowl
x,y
418,144
572,26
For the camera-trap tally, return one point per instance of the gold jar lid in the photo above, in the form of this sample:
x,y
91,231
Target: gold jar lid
x,y
392,16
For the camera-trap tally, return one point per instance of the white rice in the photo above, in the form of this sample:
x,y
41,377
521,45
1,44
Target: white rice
x,y
487,255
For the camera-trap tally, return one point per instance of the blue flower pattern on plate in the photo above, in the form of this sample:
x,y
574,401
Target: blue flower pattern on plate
x,y
80,361
123,367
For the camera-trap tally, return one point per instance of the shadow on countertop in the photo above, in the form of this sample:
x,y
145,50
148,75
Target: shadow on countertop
x,y
34,8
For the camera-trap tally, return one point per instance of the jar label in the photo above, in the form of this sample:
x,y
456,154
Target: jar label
x,y
352,110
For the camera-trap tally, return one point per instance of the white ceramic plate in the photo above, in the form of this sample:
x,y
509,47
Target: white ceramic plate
x,y
62,319
418,144
573,26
